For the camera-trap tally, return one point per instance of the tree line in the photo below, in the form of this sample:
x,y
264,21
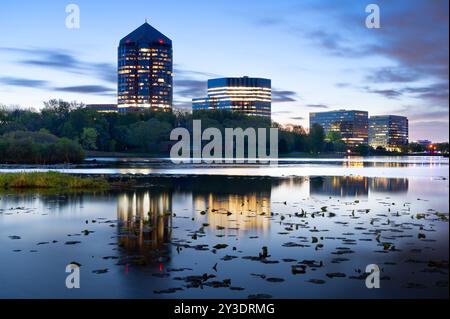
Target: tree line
x,y
63,131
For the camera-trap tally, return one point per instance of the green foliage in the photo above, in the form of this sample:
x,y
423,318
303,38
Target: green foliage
x,y
317,138
333,136
362,150
139,132
38,148
89,138
49,180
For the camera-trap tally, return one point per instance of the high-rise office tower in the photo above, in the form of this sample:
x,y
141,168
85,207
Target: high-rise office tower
x,y
353,126
388,131
145,70
251,96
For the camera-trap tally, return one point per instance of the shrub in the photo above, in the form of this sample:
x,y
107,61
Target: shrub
x,y
22,147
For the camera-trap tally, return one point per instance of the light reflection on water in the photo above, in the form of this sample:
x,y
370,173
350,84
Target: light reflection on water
x,y
146,238
401,166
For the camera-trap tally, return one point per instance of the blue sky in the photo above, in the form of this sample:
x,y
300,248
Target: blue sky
x,y
318,53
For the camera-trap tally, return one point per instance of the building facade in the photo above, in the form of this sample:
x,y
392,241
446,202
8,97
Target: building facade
x,y
145,70
251,96
388,131
103,108
353,126
425,143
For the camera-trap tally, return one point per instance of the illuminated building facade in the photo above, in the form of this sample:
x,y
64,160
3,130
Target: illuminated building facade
x,y
103,108
388,131
251,96
353,126
145,67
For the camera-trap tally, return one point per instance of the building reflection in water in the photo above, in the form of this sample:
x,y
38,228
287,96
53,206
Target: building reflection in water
x,y
342,186
355,162
356,186
235,211
145,220
389,185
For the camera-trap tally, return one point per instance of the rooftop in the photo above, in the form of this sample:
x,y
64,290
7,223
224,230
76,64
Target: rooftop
x,y
146,33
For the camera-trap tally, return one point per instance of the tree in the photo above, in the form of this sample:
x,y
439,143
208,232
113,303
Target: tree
x,y
333,136
38,148
89,138
362,149
316,138
147,136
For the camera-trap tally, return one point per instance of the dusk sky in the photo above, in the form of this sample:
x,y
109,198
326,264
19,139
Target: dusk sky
x,y
319,54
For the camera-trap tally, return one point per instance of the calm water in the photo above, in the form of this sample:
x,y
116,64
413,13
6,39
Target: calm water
x,y
185,234
372,167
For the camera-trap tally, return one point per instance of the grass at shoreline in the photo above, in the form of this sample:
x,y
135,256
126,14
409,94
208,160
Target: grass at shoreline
x,y
50,180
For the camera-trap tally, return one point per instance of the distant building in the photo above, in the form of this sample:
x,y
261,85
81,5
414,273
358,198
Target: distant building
x,y
353,126
145,70
425,143
388,131
103,108
251,96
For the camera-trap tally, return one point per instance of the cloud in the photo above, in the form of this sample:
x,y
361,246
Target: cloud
x,y
392,74
14,81
388,93
41,84
413,34
343,85
413,41
416,36
185,73
280,96
62,60
51,59
187,105
337,44
317,106
105,71
437,93
190,88
281,112
270,21
86,89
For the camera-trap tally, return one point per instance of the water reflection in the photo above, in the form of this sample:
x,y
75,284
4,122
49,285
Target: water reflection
x,y
356,186
233,211
389,185
132,243
223,203
343,186
145,222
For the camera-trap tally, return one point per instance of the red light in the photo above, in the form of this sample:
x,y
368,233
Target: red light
x,y
161,41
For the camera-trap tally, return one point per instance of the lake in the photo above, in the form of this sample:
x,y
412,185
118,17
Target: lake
x,y
299,228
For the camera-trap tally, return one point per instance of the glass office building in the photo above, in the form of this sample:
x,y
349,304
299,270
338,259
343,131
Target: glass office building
x,y
353,126
388,131
145,70
251,96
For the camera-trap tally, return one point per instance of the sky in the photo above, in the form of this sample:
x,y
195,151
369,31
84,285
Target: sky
x,y
319,54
